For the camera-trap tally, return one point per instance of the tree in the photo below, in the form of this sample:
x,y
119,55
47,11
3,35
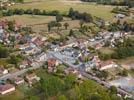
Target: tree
x,y
113,90
124,73
59,17
95,97
11,25
71,32
28,11
14,60
12,39
81,23
104,74
115,97
49,26
66,25
59,25
71,12
36,12
62,97
44,12
69,81
3,52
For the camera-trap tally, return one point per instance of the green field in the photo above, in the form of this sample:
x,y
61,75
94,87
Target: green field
x,y
39,23
16,95
64,5
106,50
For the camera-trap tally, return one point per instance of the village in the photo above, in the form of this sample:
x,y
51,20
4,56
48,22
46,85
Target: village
x,y
76,44
74,53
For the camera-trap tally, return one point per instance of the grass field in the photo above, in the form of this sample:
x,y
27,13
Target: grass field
x,y
129,60
106,50
39,23
64,5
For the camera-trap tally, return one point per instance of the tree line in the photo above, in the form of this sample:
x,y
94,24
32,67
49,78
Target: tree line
x,y
74,14
129,3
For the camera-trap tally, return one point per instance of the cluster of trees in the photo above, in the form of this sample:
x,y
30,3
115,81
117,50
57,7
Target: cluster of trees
x,y
123,10
15,59
125,48
4,52
118,26
57,24
53,24
100,74
74,14
122,50
124,73
129,3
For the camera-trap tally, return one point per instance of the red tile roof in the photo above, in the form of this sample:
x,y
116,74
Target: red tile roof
x,y
51,62
105,63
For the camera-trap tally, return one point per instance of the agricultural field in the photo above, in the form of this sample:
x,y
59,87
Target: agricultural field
x,y
64,5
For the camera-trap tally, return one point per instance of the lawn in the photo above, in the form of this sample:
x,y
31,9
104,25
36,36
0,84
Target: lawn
x,y
64,5
16,95
129,60
106,50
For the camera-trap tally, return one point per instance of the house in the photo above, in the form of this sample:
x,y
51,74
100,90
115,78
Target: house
x,y
52,62
31,78
71,70
98,46
3,71
107,65
119,16
19,80
38,40
3,23
6,88
23,64
41,57
31,50
96,60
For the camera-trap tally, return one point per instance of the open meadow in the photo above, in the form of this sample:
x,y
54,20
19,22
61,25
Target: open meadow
x,y
39,23
64,5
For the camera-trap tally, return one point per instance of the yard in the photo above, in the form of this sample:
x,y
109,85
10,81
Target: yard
x,y
16,95
129,60
106,50
64,5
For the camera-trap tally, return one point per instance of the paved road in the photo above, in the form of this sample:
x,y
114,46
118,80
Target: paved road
x,y
120,91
